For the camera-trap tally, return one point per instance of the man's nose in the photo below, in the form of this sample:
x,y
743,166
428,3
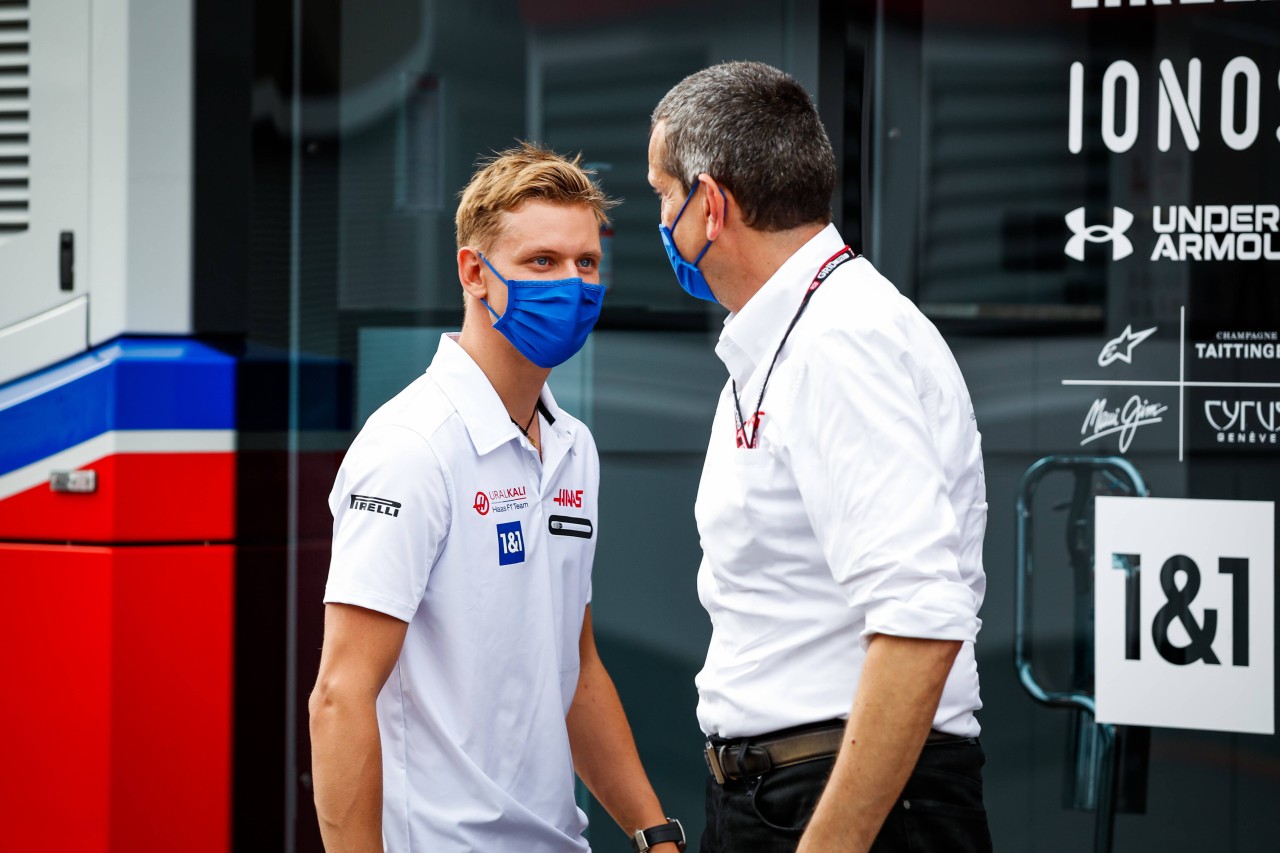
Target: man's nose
x,y
567,269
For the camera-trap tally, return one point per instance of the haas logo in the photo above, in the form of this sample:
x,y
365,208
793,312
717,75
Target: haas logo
x,y
569,497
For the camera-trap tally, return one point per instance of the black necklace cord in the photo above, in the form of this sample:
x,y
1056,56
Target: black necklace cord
x,y
524,430
824,272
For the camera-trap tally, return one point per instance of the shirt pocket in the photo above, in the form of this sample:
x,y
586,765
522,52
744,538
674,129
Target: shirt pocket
x,y
770,497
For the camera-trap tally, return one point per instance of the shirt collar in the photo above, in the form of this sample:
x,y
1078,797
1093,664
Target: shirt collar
x,y
479,406
750,333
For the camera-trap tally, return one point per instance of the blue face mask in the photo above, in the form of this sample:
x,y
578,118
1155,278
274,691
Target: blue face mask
x,y
547,321
688,274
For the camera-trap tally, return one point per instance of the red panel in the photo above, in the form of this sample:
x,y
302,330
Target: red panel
x,y
120,661
171,701
141,497
56,711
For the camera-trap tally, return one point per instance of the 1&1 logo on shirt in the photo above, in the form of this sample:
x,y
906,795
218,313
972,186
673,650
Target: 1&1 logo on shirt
x,y
510,544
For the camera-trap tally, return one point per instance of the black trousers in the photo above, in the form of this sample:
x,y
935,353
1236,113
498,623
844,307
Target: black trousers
x,y
940,809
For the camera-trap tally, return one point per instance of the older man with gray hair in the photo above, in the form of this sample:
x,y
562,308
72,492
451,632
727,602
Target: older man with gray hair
x,y
842,504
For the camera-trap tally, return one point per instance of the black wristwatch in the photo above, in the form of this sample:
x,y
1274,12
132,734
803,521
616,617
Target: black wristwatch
x,y
661,834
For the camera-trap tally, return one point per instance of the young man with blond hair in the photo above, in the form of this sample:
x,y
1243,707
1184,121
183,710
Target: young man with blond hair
x,y
459,685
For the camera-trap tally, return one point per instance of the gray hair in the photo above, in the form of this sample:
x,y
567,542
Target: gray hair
x,y
754,129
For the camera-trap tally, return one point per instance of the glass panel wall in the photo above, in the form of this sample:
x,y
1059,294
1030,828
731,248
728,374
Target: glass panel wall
x,y
1054,184
396,102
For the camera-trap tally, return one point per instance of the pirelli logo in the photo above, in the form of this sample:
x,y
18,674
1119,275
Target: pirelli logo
x,y
382,506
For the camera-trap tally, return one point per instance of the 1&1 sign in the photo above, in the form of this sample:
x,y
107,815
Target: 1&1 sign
x,y
1184,614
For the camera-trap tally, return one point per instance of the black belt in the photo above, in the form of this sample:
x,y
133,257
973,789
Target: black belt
x,y
747,757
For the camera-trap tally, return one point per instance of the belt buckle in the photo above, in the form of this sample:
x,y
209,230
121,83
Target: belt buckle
x,y
712,755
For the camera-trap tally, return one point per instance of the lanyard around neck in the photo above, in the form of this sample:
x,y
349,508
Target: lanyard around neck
x,y
824,272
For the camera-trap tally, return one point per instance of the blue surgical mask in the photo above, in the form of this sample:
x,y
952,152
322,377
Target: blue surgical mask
x,y
688,274
547,321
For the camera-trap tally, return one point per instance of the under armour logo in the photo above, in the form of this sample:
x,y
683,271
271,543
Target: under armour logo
x,y
1121,247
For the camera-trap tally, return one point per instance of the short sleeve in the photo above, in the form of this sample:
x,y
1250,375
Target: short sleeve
x,y
390,505
874,488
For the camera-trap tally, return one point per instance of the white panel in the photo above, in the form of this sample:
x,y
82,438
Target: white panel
x,y
43,339
142,167
111,443
161,85
44,162
1184,613
109,105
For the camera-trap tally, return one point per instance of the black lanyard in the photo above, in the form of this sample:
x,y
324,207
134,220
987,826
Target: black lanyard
x,y
749,441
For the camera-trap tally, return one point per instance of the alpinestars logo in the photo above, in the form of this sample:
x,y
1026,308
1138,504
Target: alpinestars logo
x,y
1121,348
1121,246
381,506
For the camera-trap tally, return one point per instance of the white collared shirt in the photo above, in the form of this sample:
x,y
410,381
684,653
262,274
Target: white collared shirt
x,y
861,511
446,518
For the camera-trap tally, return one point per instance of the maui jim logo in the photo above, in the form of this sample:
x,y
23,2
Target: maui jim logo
x,y
381,506
1126,420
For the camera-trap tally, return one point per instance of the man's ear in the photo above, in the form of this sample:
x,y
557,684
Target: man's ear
x,y
715,205
471,273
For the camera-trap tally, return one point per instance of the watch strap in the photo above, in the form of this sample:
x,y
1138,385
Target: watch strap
x,y
644,839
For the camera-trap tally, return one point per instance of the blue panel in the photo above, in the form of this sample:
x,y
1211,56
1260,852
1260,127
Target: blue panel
x,y
510,544
193,388
132,383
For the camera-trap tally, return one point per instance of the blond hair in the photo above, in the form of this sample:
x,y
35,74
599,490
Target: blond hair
x,y
514,176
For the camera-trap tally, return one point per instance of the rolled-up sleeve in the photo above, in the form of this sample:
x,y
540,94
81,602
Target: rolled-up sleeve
x,y
874,488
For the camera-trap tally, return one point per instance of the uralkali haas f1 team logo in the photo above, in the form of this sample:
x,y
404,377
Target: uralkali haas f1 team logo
x,y
516,497
500,500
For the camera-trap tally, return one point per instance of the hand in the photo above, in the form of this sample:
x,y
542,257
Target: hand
x,y
665,847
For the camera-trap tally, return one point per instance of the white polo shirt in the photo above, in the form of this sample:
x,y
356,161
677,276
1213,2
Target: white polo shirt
x,y
446,518
861,511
